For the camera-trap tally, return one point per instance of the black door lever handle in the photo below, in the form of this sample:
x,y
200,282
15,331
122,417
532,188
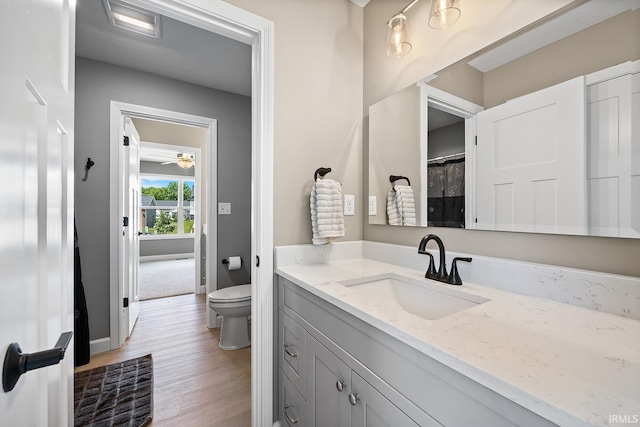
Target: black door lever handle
x,y
17,363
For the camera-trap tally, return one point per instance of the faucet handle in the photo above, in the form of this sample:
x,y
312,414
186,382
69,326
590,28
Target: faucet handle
x,y
431,271
454,277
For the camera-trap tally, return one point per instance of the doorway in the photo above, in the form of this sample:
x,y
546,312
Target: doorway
x,y
149,118
257,33
173,171
447,146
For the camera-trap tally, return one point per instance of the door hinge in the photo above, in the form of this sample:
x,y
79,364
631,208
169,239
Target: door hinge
x,y
125,221
126,141
125,302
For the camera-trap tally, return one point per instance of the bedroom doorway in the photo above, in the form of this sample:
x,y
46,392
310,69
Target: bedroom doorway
x,y
173,205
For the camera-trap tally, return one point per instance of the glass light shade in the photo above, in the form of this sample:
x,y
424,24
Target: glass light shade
x,y
444,13
397,46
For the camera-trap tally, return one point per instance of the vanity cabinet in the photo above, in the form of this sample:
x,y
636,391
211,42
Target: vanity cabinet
x,y
329,385
337,370
336,395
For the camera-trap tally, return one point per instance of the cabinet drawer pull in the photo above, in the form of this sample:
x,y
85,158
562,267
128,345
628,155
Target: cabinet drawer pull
x,y
289,352
353,399
340,385
286,414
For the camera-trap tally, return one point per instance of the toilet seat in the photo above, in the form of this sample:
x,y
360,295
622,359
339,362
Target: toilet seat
x,y
237,293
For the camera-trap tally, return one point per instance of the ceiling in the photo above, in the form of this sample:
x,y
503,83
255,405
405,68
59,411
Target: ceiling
x,y
571,22
438,119
160,155
182,52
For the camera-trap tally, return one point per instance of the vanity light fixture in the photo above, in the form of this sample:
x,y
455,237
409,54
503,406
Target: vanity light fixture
x,y
444,13
124,15
397,46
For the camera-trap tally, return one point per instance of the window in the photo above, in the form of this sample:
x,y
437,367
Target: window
x,y
168,205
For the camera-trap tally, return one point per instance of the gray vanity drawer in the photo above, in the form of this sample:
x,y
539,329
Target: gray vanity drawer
x,y
292,405
293,352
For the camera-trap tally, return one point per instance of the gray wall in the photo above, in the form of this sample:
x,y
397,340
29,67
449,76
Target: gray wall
x,y
166,246
446,140
97,84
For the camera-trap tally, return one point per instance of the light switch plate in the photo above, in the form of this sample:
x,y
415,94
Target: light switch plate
x,y
373,206
224,208
349,204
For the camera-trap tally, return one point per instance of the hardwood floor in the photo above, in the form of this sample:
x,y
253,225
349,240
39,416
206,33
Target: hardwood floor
x,y
195,383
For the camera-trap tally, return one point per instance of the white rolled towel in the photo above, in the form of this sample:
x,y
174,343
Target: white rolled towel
x,y
327,219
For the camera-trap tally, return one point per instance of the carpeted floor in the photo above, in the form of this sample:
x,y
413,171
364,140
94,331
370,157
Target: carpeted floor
x,y
167,278
120,394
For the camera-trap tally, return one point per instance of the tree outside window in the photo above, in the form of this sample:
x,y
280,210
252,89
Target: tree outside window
x,y
168,205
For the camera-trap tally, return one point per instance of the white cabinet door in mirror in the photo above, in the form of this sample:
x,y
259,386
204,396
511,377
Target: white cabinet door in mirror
x,y
613,157
531,162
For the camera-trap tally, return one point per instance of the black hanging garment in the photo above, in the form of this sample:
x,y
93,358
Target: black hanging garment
x,y
81,335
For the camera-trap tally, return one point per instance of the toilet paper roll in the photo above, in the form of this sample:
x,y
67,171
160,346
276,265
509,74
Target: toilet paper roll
x,y
234,263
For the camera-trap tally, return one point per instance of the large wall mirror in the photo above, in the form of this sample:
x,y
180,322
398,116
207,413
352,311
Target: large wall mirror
x,y
537,133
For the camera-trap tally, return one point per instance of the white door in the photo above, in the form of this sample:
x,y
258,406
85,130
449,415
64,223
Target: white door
x,y
131,232
530,168
613,169
36,169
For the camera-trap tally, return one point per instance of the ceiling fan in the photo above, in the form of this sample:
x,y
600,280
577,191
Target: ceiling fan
x,y
184,160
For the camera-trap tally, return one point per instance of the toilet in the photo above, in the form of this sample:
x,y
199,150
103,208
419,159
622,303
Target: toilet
x,y
234,305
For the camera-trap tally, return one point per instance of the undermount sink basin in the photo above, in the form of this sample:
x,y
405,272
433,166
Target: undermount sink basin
x,y
417,297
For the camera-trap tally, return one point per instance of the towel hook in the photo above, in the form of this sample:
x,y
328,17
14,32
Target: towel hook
x,y
88,166
394,178
322,172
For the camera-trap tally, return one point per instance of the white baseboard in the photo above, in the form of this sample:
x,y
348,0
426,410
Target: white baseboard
x,y
100,345
165,257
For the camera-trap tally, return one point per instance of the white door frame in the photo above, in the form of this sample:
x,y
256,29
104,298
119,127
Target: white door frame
x,y
116,198
444,101
230,21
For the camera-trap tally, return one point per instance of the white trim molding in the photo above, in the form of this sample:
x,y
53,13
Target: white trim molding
x,y
101,345
361,3
238,24
166,257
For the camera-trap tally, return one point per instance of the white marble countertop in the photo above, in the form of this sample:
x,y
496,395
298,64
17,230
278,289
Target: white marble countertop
x,y
572,366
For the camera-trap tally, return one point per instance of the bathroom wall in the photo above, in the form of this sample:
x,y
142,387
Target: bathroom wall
x,y
481,23
613,41
96,84
317,107
393,153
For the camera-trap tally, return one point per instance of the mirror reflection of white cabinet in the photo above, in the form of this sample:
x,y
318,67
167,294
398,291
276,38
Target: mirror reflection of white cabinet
x,y
563,159
530,169
613,149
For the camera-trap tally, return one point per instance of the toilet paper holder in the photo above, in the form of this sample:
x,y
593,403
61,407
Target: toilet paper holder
x,y
226,261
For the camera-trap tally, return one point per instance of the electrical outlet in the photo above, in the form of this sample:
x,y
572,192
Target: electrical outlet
x,y
373,206
224,208
349,204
